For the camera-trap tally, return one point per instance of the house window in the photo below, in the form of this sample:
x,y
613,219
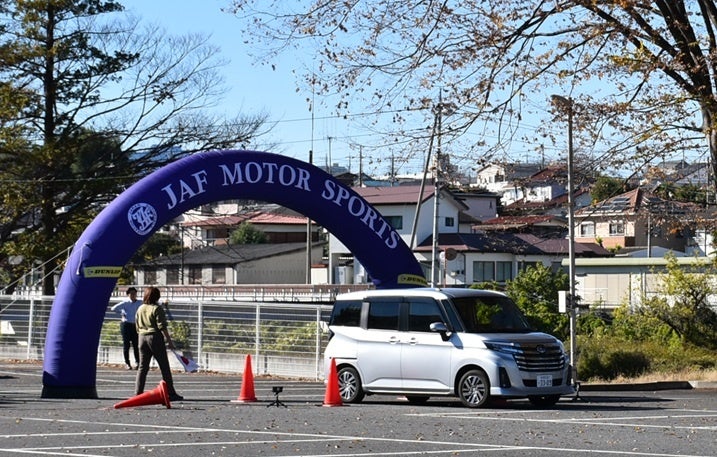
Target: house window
x,y
150,276
617,228
503,271
523,265
173,275
483,271
395,221
219,274
219,233
587,229
450,222
194,275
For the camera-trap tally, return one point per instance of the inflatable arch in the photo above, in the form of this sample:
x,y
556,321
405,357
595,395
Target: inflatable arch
x,y
91,273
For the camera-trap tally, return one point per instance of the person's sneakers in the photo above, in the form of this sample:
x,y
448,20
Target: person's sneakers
x,y
129,367
175,397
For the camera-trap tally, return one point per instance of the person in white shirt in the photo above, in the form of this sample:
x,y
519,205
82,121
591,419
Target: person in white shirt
x,y
127,311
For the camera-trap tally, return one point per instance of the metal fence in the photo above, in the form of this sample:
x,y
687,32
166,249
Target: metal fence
x,y
284,336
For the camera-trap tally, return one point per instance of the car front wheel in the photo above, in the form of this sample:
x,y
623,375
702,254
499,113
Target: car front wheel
x,y
474,389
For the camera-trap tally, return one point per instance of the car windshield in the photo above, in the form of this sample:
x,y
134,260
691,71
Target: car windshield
x,y
491,314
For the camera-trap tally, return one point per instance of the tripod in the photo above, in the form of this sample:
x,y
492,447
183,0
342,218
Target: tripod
x,y
277,390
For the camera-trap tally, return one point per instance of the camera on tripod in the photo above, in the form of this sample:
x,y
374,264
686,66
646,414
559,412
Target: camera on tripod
x,y
277,390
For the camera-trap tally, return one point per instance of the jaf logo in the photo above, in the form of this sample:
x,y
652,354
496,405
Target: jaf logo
x,y
142,218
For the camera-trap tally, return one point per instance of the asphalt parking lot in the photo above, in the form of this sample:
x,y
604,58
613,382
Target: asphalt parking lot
x,y
680,422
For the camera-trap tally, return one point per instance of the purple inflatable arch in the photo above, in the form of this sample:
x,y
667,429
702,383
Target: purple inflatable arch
x,y
91,273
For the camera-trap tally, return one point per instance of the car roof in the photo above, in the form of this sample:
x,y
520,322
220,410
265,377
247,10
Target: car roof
x,y
438,293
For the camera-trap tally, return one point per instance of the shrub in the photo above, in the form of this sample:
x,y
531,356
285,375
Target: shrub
x,y
628,364
181,334
606,357
111,335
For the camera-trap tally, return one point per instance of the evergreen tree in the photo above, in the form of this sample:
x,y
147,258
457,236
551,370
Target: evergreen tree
x,y
89,103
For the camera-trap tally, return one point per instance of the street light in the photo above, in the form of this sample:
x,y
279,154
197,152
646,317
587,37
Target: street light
x,y
566,104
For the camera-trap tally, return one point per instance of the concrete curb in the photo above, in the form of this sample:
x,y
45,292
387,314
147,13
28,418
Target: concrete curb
x,y
661,385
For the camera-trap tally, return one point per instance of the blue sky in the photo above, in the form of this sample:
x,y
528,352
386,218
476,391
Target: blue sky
x,y
260,89
255,88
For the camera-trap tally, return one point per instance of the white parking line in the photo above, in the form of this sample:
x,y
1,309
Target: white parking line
x,y
608,422
287,438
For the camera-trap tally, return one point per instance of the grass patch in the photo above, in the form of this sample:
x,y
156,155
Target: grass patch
x,y
614,359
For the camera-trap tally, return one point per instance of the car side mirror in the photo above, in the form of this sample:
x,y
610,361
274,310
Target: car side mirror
x,y
440,327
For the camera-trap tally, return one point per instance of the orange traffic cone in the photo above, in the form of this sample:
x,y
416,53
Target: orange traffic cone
x,y
332,396
246,395
158,396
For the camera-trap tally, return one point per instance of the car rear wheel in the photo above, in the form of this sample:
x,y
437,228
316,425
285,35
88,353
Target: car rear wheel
x,y
350,385
474,389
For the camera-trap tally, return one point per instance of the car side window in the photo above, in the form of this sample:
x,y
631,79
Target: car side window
x,y
347,313
422,312
383,313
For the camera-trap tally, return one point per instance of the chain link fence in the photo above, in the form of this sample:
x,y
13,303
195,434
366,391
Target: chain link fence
x,y
284,338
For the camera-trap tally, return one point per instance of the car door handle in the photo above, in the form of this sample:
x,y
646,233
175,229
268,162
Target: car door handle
x,y
413,341
393,340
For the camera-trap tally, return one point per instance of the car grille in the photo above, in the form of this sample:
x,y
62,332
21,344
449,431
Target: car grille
x,y
540,357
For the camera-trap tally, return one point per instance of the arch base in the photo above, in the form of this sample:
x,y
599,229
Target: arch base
x,y
83,392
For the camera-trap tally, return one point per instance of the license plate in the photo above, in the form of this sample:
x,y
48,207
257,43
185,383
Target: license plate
x,y
545,380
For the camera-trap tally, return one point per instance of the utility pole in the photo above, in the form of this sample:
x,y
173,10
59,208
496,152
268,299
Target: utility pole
x,y
566,104
435,261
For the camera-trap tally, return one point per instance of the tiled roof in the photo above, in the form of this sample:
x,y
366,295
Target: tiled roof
x,y
633,201
511,243
227,254
219,221
552,173
521,221
394,195
254,217
401,195
279,219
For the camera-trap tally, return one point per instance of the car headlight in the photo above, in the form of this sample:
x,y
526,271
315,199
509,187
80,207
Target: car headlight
x,y
503,346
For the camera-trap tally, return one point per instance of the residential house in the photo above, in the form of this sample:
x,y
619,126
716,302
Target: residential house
x,y
696,174
546,193
498,256
506,179
543,226
400,206
634,219
680,173
227,264
481,205
547,184
278,227
465,257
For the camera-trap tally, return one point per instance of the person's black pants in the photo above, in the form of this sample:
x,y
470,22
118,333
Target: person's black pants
x,y
129,338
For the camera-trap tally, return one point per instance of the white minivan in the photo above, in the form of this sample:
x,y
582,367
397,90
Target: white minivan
x,y
424,342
